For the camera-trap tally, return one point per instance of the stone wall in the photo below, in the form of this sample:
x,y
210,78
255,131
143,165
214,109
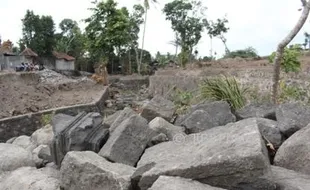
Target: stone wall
x,y
28,123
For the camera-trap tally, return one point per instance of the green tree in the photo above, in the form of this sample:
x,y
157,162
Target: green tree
x,y
38,33
71,40
217,29
107,31
186,23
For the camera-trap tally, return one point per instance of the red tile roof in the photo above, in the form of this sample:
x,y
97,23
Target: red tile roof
x,y
64,56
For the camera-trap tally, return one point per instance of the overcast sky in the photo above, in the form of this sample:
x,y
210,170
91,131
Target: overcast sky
x,y
258,23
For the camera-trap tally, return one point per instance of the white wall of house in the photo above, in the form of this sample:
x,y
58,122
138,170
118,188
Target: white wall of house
x,y
64,65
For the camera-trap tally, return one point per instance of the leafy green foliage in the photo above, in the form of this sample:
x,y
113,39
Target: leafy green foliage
x,y
289,62
38,33
187,24
249,52
225,89
217,29
106,30
182,99
70,40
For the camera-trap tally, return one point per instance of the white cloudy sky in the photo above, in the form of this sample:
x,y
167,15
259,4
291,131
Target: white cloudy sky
x,y
258,23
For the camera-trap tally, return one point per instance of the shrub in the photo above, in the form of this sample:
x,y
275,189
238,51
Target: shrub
x,y
244,53
225,89
290,62
46,119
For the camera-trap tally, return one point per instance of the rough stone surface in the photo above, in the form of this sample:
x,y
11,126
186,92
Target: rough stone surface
x,y
294,153
267,111
292,117
270,131
29,178
24,142
208,115
290,180
125,114
158,107
13,157
11,140
43,152
160,125
111,118
127,143
177,183
88,170
224,156
84,132
43,136
158,139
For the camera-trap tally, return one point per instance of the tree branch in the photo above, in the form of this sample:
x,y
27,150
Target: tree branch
x,y
304,2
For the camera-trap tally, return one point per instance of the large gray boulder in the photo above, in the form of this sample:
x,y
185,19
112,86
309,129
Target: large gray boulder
x,y
43,136
160,125
85,131
289,179
292,117
122,116
25,142
267,111
270,131
158,107
88,170
30,178
208,115
13,157
225,156
127,143
294,153
178,183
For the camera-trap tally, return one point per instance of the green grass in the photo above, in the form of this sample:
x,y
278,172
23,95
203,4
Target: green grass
x,y
46,119
224,89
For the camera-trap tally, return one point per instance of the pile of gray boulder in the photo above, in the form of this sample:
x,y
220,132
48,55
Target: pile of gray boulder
x,y
260,147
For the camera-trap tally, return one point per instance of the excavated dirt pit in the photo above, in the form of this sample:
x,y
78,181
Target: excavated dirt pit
x,y
22,93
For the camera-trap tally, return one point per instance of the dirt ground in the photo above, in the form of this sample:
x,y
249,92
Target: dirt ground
x,y
20,95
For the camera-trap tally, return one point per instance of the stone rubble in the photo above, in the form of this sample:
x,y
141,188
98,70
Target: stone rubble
x,y
208,148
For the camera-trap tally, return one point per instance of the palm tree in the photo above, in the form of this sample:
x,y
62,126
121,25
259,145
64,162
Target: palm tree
x,y
284,43
146,6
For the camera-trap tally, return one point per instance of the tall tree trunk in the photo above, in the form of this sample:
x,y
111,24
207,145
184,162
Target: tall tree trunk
x,y
211,50
129,59
283,44
137,60
144,28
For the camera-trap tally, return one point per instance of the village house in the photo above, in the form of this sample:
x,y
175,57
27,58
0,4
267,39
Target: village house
x,y
64,62
28,56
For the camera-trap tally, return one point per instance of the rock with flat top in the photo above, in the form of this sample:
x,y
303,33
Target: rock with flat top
x,y
88,170
127,143
158,107
227,156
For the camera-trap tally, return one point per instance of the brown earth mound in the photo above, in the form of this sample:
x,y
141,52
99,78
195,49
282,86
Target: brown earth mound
x,y
22,93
